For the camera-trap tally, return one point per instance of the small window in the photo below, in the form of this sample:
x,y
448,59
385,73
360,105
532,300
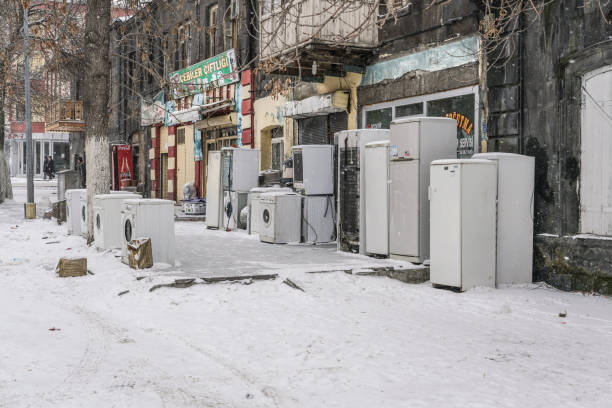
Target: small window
x,y
180,136
413,109
379,118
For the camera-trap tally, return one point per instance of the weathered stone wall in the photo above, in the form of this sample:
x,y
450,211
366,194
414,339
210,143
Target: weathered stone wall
x,y
569,39
574,263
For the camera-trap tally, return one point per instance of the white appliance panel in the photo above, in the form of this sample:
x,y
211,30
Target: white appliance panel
x,y
445,248
318,219
73,211
515,189
463,195
404,221
376,162
214,190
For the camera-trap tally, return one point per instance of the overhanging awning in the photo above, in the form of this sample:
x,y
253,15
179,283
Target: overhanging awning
x,y
317,105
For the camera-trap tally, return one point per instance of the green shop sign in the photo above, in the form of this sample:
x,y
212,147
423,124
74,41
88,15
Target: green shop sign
x,y
211,73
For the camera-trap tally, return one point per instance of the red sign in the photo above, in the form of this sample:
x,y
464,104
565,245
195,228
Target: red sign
x,y
124,165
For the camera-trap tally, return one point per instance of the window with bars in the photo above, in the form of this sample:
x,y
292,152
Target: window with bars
x,y
180,136
230,26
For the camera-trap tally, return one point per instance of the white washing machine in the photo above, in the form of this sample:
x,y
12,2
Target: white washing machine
x,y
149,218
73,211
280,217
318,219
107,219
254,206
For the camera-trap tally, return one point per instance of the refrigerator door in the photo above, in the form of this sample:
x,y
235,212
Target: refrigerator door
x,y
405,140
377,198
213,190
445,224
404,198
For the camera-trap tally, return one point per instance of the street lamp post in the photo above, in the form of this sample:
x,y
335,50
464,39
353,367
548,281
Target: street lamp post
x,y
30,206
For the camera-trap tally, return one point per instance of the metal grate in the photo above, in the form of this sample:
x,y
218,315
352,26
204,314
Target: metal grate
x,y
349,197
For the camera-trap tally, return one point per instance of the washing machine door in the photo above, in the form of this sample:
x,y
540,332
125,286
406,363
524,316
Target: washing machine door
x,y
128,232
266,222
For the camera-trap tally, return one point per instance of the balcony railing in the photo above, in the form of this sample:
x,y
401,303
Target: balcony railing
x,y
65,116
349,26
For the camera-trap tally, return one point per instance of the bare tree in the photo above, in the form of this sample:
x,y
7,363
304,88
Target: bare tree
x,y
96,100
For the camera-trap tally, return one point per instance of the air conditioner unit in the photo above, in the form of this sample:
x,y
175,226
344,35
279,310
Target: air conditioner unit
x,y
107,219
73,210
149,218
351,205
280,217
313,172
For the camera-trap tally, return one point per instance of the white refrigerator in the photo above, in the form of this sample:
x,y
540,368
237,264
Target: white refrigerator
x,y
376,192
415,143
214,193
351,228
515,182
463,221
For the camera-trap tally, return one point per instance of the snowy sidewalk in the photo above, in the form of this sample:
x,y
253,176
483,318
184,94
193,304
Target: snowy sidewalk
x,y
347,341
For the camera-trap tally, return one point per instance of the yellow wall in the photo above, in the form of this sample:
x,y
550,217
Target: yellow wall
x,y
268,115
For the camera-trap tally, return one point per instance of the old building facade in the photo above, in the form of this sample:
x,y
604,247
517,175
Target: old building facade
x,y
542,94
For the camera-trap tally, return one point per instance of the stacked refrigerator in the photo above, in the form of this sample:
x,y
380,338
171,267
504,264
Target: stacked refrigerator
x,y
313,177
232,173
415,143
350,221
463,223
515,182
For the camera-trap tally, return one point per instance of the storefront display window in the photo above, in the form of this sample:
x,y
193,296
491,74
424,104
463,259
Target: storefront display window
x,y
379,119
412,109
460,104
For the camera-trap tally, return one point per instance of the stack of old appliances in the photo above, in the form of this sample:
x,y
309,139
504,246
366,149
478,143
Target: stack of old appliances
x,y
482,220
232,173
351,176
394,177
107,219
313,178
307,215
149,218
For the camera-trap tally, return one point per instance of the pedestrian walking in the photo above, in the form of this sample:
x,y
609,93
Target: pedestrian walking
x,y
51,168
46,168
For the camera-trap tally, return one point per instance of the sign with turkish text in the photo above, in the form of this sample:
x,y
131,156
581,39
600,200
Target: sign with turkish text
x,y
211,73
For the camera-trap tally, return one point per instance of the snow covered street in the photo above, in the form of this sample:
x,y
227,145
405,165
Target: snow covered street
x,y
347,341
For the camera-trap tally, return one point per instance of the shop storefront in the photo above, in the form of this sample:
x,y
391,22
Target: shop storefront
x,y
460,104
208,108
46,144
